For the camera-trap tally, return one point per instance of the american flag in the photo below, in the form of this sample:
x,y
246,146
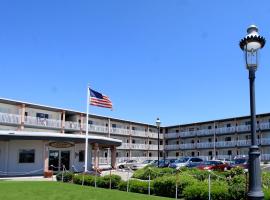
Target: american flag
x,y
100,100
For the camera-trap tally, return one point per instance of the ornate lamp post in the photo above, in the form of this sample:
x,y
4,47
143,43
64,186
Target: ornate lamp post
x,y
158,127
251,44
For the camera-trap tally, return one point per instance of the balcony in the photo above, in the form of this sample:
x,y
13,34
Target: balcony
x,y
188,134
265,141
172,147
6,118
226,144
72,125
124,146
205,132
154,147
188,146
119,131
42,122
155,135
172,135
205,145
223,130
265,126
243,143
138,133
139,146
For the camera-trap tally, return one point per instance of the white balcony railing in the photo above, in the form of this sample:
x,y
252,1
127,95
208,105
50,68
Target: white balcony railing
x,y
172,135
205,145
138,133
265,141
188,146
42,122
243,143
154,147
9,118
72,125
226,144
172,147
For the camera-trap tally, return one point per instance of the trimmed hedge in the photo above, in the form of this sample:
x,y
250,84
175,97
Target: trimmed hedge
x,y
102,181
67,176
166,185
136,186
199,191
154,172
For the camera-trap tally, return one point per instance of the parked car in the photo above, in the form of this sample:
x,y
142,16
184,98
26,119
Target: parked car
x,y
214,165
164,163
185,162
141,165
240,162
126,164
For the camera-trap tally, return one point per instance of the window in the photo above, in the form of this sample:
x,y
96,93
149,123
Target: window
x,y
230,152
177,131
105,154
127,154
192,153
133,128
198,153
42,115
150,142
177,154
26,114
209,139
247,123
209,127
81,156
114,125
133,141
161,142
150,154
177,142
210,153
228,125
117,154
27,156
228,139
90,122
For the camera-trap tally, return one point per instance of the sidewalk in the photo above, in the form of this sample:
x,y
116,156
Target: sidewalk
x,y
28,178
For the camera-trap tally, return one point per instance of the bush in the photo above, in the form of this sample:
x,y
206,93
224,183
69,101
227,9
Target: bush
x,y
104,182
136,186
81,179
154,172
166,185
199,191
237,187
237,171
67,176
266,194
266,180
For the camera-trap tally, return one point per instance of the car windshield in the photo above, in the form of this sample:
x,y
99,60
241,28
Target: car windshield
x,y
182,160
209,163
146,161
239,161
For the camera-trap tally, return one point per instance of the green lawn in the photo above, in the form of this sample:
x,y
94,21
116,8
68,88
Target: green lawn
x,y
11,190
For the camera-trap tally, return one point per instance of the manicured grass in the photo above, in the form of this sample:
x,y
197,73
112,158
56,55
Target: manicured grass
x,y
12,190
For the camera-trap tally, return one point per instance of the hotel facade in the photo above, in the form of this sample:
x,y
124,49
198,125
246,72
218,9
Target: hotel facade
x,y
36,138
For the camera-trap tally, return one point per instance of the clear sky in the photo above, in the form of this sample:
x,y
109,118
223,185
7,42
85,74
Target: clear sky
x,y
174,59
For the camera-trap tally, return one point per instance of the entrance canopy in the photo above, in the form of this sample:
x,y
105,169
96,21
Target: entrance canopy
x,y
23,135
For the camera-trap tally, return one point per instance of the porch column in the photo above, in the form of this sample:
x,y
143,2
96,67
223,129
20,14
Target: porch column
x,y
96,150
81,124
46,157
89,159
113,157
22,117
63,121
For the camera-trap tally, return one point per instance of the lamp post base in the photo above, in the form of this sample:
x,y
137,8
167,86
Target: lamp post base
x,y
255,185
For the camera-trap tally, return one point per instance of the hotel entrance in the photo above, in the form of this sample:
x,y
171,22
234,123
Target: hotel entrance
x,y
58,159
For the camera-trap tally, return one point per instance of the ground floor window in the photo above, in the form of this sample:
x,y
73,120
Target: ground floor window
x,y
27,156
81,156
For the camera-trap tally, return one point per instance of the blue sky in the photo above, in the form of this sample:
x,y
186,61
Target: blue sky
x,y
178,60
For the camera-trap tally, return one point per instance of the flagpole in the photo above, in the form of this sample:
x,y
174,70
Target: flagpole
x,y
86,131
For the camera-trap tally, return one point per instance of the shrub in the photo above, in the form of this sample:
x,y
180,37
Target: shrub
x,y
266,180
237,187
200,175
266,194
136,186
84,179
67,176
104,182
199,191
154,172
166,185
237,171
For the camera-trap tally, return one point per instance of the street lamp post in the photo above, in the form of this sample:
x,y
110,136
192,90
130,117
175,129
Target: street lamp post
x,y
158,127
251,44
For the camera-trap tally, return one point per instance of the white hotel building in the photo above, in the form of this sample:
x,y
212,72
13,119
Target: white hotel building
x,y
35,138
